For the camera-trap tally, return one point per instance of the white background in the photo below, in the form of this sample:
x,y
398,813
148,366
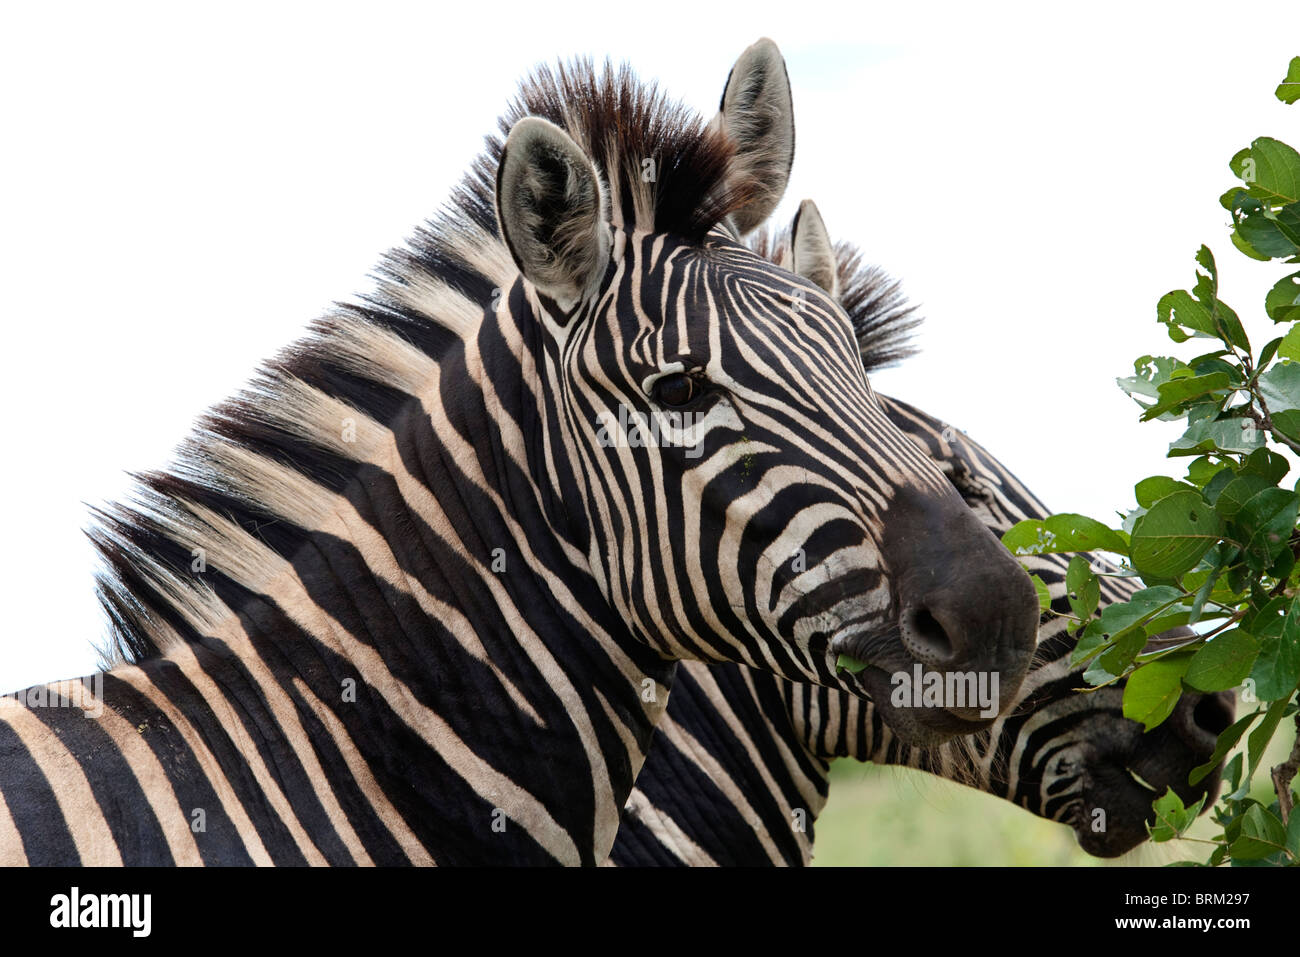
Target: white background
x,y
182,190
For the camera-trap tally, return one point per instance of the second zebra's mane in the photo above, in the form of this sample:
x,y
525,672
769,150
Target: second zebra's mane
x,y
259,470
883,320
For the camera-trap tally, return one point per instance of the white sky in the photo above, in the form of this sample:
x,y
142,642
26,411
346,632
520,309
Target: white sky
x,y
181,191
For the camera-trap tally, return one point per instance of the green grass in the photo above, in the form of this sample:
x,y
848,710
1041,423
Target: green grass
x,y
896,816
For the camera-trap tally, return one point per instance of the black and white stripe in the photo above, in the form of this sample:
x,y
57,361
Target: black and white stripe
x,y
739,769
397,602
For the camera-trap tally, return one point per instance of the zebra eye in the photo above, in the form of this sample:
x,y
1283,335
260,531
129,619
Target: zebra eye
x,y
676,390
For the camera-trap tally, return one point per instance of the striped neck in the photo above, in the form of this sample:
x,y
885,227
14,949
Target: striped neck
x,y
435,629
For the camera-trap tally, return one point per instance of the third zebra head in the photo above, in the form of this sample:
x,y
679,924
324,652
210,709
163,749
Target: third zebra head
x,y
724,466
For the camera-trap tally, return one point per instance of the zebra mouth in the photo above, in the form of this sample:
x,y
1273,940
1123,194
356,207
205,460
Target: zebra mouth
x,y
1113,808
919,727
887,677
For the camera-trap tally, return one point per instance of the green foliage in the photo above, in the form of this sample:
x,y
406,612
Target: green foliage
x,y
1044,597
850,664
1288,91
1172,818
1218,548
1153,690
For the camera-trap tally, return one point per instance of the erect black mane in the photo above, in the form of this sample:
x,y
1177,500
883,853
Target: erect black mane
x,y
666,170
430,296
883,320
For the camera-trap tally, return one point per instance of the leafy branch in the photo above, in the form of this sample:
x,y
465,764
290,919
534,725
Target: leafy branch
x,y
1219,549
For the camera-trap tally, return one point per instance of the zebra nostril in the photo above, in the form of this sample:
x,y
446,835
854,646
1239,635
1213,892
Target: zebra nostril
x,y
926,638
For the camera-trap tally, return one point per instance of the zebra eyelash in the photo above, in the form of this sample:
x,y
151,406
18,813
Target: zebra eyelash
x,y
696,372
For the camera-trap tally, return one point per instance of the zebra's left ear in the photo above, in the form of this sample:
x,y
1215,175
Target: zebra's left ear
x,y
551,210
812,252
758,114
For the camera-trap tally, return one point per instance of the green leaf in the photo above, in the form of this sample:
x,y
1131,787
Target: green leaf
x,y
1288,421
1268,352
1122,628
1124,649
1284,566
1227,741
1092,639
1266,236
1283,301
1289,347
1262,835
1202,470
1203,592
1172,817
1223,662
1201,312
1151,490
1279,386
1272,171
1097,675
1260,737
1234,435
1066,532
1288,221
1238,164
1293,835
1181,313
1153,690
1150,372
1266,522
1277,669
1217,484
1232,775
1119,616
1044,596
849,664
1288,91
1230,199
1177,392
1173,535
1246,248
1237,492
1267,463
1083,588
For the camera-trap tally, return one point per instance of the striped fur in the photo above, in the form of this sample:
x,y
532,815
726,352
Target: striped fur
x,y
738,772
398,602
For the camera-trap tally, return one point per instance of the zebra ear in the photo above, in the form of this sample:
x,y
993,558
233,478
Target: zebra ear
x,y
758,114
551,210
812,253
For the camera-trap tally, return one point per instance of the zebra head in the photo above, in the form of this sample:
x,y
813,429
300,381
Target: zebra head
x,y
723,462
1061,754
1075,758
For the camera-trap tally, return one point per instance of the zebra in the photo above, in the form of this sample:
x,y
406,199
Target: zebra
x,y
739,769
412,597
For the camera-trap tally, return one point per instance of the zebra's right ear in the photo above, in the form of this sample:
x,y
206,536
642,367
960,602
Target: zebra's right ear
x,y
757,112
551,210
811,250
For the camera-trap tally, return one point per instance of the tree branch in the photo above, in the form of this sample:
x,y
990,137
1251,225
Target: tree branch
x,y
1284,774
1265,422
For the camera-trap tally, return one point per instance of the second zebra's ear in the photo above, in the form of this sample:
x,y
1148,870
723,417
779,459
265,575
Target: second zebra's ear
x,y
812,252
757,113
552,210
